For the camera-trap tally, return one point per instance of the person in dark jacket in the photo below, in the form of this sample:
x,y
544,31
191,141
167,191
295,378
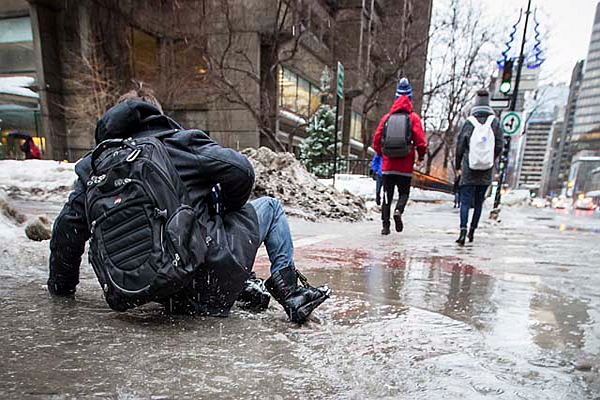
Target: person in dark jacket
x,y
376,168
474,183
397,172
202,165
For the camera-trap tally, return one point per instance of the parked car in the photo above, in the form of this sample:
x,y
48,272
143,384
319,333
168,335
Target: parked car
x,y
586,203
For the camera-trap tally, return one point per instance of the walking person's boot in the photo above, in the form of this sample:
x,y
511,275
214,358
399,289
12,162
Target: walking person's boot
x,y
297,301
386,228
398,220
463,236
471,234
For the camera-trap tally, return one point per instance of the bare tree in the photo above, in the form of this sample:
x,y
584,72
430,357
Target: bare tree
x,y
89,77
394,48
459,63
231,64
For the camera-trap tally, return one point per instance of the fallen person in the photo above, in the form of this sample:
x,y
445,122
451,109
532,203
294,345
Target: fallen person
x,y
167,214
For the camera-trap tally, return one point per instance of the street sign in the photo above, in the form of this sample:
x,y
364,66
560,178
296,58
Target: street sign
x,y
340,80
510,123
499,104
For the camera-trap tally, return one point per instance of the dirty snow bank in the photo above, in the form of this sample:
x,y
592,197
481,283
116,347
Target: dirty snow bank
x,y
38,179
9,219
278,175
281,176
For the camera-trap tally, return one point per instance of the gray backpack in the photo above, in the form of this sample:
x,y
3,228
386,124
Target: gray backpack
x,y
396,141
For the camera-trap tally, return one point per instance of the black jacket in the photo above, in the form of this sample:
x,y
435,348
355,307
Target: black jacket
x,y
201,163
469,176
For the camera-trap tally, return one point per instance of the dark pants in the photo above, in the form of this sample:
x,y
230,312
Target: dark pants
x,y
378,185
390,182
471,196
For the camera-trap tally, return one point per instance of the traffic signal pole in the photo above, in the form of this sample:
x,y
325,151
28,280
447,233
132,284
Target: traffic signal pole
x,y
513,105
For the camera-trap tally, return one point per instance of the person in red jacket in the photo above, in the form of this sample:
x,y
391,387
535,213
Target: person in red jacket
x,y
397,172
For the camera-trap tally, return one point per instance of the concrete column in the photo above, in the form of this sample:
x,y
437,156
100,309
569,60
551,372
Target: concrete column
x,y
47,60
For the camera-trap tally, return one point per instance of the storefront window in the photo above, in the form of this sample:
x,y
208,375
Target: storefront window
x,y
297,94
19,103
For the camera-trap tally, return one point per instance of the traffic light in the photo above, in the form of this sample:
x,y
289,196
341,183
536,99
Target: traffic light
x,y
506,83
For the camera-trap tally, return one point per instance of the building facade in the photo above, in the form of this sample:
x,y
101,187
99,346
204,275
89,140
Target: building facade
x,y
246,71
587,116
559,161
534,152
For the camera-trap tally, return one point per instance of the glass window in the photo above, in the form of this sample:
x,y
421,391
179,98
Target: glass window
x,y
16,46
144,57
315,99
303,96
355,126
288,84
296,94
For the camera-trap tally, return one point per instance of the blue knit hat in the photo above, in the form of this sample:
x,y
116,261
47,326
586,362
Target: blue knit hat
x,y
403,89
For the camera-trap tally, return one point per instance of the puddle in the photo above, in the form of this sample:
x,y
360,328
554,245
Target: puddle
x,y
398,326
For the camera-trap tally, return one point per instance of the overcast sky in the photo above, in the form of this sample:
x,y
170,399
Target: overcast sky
x,y
568,24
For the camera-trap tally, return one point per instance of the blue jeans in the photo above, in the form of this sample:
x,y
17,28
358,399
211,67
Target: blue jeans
x,y
274,232
471,196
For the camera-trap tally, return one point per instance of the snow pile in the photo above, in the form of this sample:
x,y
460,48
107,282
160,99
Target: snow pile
x,y
44,180
9,219
364,186
429,196
281,176
517,197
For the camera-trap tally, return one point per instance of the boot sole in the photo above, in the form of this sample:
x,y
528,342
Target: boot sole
x,y
304,311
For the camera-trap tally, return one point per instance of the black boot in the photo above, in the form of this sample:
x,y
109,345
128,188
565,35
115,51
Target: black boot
x,y
297,301
462,237
471,234
254,297
386,228
398,221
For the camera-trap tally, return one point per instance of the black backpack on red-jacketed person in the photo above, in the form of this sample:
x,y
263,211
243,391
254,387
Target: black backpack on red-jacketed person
x,y
146,242
396,140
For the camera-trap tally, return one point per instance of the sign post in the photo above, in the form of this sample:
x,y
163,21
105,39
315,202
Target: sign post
x,y
511,123
339,89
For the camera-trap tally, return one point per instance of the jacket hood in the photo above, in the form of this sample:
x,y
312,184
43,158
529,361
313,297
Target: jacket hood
x,y
130,117
402,104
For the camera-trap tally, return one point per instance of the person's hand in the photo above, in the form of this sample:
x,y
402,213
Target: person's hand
x,y
419,163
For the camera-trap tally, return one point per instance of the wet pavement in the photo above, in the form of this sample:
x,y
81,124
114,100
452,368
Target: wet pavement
x,y
514,315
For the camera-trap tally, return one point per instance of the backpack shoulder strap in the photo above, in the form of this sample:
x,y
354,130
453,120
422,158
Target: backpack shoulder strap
x,y
474,121
490,120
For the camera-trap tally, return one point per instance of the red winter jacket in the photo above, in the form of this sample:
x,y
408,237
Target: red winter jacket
x,y
402,165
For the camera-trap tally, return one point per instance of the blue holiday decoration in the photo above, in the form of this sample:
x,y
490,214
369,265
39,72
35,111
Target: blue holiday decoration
x,y
534,58
509,43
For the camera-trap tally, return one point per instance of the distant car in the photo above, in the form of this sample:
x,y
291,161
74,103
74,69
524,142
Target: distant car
x,y
585,204
560,203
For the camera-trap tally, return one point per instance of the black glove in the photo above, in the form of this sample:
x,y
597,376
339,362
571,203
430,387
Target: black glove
x,y
215,203
254,297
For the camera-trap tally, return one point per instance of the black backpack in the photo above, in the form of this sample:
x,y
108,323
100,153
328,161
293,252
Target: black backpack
x,y
146,242
396,141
